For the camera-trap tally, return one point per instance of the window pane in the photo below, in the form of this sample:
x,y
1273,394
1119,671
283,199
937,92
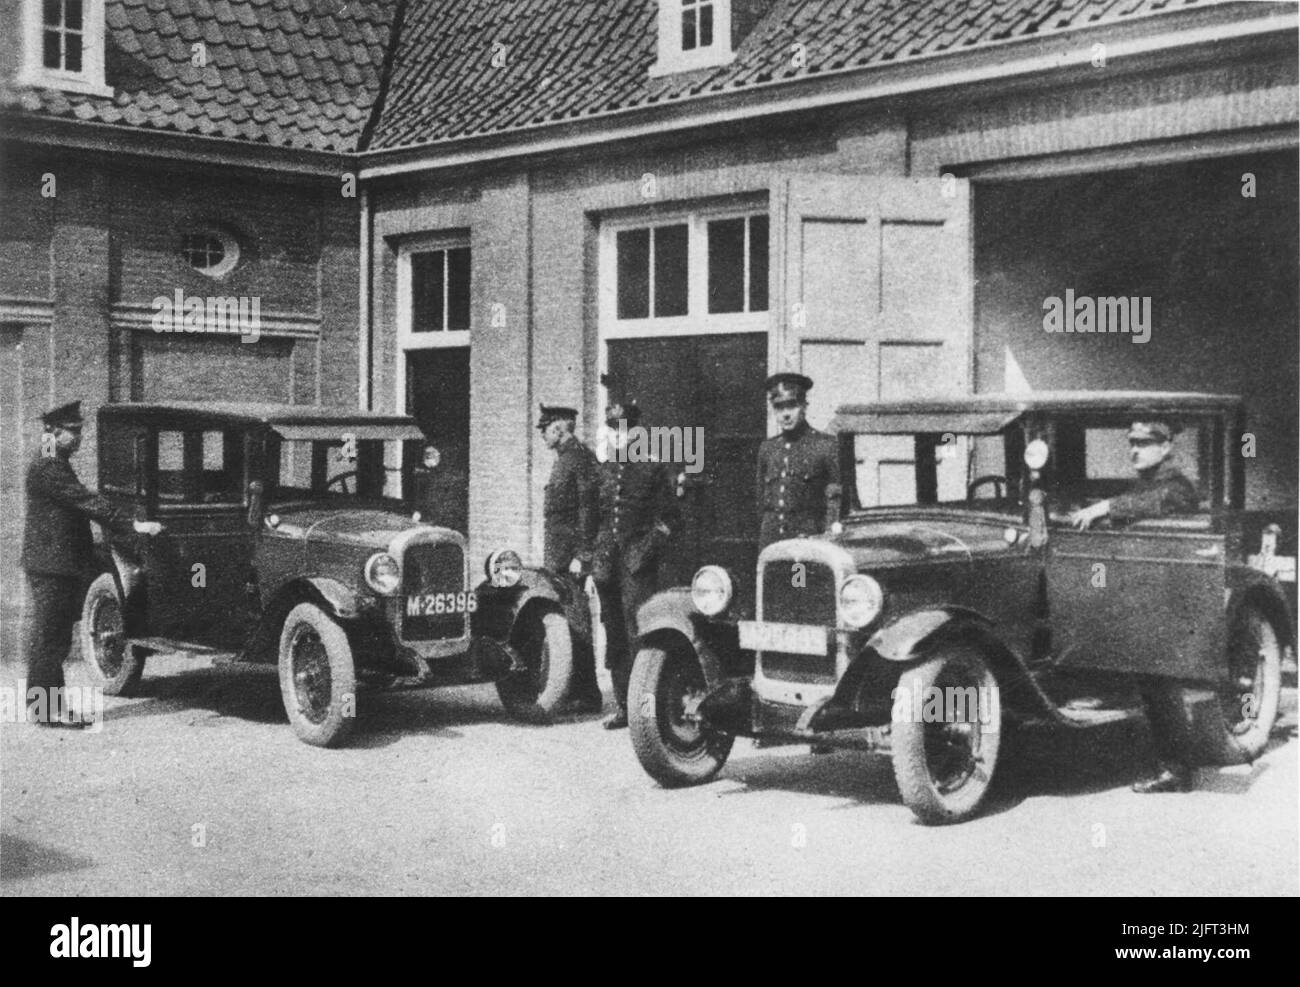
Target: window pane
x,y
52,13
670,270
458,274
706,25
72,54
633,249
688,30
51,55
72,9
726,265
426,291
758,263
171,461
117,460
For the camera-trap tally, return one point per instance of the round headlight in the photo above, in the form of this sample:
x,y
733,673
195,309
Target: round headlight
x,y
860,601
383,574
711,590
1036,453
504,568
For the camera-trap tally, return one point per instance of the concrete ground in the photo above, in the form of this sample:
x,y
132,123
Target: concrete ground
x,y
198,786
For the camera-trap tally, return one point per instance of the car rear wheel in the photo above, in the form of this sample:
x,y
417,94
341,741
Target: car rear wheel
x,y
114,664
944,758
547,651
1233,726
673,746
318,680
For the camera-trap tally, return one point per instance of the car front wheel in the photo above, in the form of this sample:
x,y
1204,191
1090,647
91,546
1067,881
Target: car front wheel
x,y
673,746
114,664
946,735
318,680
547,651
1233,726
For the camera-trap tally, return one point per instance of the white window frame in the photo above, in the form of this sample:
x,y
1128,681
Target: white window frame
x,y
407,339
671,56
90,80
697,321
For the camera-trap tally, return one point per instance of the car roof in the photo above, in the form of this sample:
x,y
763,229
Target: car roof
x,y
990,413
216,414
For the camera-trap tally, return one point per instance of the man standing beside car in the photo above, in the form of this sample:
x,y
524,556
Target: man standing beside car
x,y
57,555
1161,490
570,514
638,514
798,471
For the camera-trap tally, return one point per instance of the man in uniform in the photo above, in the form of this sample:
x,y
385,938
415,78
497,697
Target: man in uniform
x,y
58,554
570,516
1161,489
638,514
798,470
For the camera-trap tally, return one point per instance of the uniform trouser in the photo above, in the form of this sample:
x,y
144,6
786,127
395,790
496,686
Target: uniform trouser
x,y
577,611
1164,735
620,598
53,608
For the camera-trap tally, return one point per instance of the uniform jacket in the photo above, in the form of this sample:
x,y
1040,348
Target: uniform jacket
x,y
798,484
56,536
569,509
1161,492
635,497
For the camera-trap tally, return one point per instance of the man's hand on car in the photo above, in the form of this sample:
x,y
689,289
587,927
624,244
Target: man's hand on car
x,y
1084,516
148,528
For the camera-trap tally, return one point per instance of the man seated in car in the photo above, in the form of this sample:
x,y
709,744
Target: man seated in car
x,y
1161,488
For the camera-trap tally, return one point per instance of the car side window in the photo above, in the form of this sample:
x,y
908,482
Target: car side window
x,y
200,467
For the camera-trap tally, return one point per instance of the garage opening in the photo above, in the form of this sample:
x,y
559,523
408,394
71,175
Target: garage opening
x,y
1211,244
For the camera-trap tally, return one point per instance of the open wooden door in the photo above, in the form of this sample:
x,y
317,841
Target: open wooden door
x,y
874,289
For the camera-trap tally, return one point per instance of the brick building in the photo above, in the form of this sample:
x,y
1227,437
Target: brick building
x,y
202,150
681,194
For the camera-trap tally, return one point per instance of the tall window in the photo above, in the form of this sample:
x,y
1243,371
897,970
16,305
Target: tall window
x,y
440,290
63,42
697,24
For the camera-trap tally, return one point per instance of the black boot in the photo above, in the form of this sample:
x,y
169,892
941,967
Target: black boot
x,y
618,721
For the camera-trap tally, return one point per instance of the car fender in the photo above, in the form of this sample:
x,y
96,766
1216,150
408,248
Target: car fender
x,y
669,618
341,600
501,611
905,638
129,577
1249,585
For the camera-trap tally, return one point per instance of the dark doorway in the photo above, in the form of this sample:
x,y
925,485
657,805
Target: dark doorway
x,y
715,383
437,396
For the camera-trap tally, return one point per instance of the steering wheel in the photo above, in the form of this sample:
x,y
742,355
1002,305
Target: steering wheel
x,y
342,480
995,478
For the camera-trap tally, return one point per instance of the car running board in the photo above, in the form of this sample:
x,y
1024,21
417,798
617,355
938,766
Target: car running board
x,y
169,646
1094,717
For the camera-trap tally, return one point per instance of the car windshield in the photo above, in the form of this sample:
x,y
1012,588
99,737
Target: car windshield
x,y
342,468
948,468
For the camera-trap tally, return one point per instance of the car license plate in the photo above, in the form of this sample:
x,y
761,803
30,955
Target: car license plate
x,y
431,604
799,639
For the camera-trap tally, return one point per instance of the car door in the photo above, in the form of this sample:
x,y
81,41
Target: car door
x,y
198,568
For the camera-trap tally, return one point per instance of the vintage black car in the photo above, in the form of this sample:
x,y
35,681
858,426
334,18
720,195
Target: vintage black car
x,y
955,597
284,541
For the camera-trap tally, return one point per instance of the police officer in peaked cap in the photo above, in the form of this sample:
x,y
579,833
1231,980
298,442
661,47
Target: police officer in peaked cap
x,y
798,471
58,555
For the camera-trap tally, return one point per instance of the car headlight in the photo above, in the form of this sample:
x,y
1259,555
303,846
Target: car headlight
x,y
860,601
711,590
383,574
504,568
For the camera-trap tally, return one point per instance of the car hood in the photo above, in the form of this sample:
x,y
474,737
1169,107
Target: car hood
x,y
892,542
363,527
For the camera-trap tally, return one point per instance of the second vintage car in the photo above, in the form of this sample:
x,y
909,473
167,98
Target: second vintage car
x,y
283,541
956,598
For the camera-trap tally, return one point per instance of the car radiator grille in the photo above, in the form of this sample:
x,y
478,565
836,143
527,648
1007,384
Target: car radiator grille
x,y
791,597
433,568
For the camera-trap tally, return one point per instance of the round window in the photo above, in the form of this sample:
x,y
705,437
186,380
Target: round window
x,y
210,252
